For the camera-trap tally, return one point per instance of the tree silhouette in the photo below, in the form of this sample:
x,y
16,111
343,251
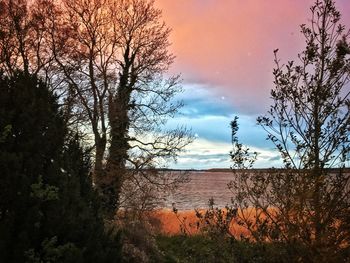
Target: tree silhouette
x,y
108,60
115,61
306,204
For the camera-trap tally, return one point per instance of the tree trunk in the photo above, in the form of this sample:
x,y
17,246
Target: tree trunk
x,y
99,156
119,145
317,171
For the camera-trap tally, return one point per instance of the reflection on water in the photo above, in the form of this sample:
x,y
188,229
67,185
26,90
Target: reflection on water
x,y
201,187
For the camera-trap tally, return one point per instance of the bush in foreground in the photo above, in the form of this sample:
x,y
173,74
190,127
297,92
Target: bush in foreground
x,y
49,211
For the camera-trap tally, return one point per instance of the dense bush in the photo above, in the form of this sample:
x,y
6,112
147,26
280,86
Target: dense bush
x,y
49,211
205,248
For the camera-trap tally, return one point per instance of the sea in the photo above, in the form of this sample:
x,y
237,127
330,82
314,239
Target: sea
x,y
200,188
205,185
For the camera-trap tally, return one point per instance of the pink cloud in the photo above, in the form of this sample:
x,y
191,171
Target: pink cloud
x,y
228,44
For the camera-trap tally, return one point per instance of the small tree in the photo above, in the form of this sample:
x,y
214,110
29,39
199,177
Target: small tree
x,y
306,204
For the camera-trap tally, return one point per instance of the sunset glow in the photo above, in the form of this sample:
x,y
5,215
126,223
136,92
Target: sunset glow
x,y
224,52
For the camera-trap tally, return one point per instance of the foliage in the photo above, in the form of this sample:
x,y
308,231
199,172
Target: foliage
x,y
139,244
216,222
48,209
197,248
202,248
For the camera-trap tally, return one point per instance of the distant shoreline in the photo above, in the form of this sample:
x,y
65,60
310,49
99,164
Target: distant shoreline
x,y
215,170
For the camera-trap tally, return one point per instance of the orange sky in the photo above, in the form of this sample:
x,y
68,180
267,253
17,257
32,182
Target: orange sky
x,y
227,45
224,52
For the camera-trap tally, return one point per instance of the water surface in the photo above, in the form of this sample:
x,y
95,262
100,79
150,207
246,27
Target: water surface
x,y
202,186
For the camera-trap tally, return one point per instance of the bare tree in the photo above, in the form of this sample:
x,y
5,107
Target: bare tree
x,y
87,57
23,37
26,44
114,61
306,204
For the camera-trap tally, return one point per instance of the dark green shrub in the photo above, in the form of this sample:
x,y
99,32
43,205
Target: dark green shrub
x,y
49,211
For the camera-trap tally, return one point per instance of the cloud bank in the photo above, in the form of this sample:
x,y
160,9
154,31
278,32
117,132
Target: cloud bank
x,y
228,44
224,51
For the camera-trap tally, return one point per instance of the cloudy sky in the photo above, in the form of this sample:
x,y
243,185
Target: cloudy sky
x,y
224,52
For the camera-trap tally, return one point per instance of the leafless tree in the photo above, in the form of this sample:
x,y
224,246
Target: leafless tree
x,y
115,62
22,38
26,44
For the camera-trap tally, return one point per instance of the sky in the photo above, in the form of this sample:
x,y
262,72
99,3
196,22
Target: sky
x,y
224,53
